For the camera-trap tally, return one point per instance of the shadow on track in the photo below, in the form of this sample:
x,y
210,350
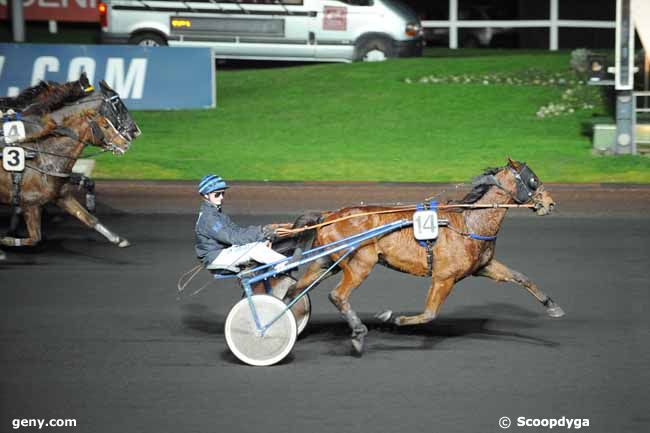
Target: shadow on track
x,y
50,251
507,324
197,317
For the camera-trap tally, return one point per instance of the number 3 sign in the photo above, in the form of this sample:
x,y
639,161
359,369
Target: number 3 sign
x,y
13,158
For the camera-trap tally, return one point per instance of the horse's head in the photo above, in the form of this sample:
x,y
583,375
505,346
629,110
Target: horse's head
x,y
105,101
115,110
96,129
525,187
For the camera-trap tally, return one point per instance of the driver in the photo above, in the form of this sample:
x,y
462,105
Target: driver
x,y
222,244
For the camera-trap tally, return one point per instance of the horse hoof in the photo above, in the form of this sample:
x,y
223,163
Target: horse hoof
x,y
3,256
123,243
555,312
8,241
358,338
384,316
357,344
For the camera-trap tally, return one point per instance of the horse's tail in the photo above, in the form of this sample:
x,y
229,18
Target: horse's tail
x,y
305,239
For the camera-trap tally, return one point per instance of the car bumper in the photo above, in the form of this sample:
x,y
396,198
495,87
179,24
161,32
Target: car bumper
x,y
412,48
113,38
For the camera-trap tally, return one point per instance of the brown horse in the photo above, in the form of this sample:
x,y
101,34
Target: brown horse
x,y
57,147
456,254
58,101
35,103
47,96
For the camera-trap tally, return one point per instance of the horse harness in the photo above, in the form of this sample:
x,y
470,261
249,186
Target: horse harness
x,y
429,243
526,182
31,153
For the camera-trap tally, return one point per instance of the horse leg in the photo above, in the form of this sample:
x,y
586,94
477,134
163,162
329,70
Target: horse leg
x,y
500,272
314,271
73,207
14,221
437,294
32,215
355,271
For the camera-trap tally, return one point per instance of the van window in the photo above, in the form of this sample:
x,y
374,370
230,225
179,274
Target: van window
x,y
265,2
358,2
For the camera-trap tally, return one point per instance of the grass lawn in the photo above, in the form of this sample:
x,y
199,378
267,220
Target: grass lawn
x,y
363,122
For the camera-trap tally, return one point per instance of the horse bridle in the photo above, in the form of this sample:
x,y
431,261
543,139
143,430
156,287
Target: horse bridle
x,y
114,113
526,182
97,134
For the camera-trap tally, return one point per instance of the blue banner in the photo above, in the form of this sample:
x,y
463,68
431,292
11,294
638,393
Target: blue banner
x,y
147,78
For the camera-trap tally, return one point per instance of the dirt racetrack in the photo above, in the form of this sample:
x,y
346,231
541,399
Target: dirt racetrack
x,y
99,334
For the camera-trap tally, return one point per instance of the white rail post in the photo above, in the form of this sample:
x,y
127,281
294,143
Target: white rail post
x,y
553,31
18,20
624,79
453,24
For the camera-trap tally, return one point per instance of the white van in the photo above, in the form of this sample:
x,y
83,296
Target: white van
x,y
300,30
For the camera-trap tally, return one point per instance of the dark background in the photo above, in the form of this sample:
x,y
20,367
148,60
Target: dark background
x,y
430,10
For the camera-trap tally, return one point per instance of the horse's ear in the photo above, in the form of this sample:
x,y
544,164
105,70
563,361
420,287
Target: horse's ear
x,y
85,83
512,163
104,86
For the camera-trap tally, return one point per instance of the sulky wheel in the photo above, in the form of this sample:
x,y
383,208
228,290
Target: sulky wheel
x,y
302,312
248,344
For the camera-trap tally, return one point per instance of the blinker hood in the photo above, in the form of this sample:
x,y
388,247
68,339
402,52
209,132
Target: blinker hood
x,y
527,184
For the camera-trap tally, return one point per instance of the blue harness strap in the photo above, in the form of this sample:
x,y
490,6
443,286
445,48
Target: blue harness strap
x,y
481,238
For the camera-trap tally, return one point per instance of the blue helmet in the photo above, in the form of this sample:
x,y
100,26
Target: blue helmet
x,y
211,183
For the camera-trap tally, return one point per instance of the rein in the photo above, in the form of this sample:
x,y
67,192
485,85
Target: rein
x,y
61,132
49,173
282,232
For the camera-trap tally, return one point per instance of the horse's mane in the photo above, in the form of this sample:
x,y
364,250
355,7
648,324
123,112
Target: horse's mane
x,y
50,127
480,185
24,98
46,97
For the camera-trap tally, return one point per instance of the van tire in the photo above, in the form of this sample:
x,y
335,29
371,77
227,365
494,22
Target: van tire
x,y
148,39
374,50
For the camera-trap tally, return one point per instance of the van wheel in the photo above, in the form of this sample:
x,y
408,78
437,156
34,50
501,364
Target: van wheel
x,y
148,40
374,50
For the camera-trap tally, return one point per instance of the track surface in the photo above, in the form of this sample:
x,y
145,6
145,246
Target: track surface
x,y
96,333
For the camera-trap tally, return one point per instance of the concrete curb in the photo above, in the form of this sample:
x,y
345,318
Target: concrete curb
x,y
289,198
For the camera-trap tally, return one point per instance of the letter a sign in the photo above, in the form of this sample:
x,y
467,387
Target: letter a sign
x,y
13,131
